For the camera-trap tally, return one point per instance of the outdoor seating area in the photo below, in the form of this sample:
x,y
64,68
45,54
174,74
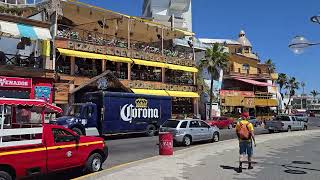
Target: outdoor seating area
x,y
21,61
100,39
179,77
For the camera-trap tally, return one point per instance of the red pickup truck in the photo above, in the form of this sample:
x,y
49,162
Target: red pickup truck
x,y
28,148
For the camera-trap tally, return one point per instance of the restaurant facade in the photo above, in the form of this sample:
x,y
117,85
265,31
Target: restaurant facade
x,y
25,67
140,53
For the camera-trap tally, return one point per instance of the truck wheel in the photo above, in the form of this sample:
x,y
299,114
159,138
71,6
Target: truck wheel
x,y
5,176
289,129
186,140
151,130
78,131
94,163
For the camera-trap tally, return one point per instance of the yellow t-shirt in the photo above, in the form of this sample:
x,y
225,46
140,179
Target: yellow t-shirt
x,y
244,122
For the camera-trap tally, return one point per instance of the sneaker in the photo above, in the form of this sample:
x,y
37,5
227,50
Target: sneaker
x,y
250,167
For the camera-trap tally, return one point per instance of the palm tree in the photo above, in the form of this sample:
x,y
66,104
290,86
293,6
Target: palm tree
x,y
271,66
303,85
314,93
291,86
215,60
282,81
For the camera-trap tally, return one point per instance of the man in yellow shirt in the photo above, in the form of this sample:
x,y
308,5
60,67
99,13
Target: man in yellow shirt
x,y
245,133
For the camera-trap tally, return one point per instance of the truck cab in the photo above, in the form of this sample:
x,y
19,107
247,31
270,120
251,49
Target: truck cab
x,y
82,118
29,147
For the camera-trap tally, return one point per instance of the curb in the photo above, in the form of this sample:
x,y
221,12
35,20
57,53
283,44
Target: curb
x,y
129,164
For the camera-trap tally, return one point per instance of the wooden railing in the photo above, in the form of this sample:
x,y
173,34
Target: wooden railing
x,y
21,61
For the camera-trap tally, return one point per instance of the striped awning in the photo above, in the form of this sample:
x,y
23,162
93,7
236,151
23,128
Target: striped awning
x,y
23,30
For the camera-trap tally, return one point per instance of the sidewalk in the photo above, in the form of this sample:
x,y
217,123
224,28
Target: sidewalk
x,y
293,155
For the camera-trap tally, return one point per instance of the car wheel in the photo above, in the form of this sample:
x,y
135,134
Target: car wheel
x,y
187,141
215,137
151,130
271,131
94,163
78,131
5,176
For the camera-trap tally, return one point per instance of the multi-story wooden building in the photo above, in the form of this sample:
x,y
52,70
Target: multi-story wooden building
x,y
92,40
247,83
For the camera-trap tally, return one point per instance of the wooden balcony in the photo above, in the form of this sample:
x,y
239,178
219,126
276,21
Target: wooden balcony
x,y
247,101
87,41
231,74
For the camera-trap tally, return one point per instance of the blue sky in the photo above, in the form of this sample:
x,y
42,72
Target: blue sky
x,y
269,25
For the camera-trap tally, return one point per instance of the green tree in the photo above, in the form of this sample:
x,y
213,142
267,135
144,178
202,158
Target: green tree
x,y
303,85
292,86
215,60
271,66
282,81
314,93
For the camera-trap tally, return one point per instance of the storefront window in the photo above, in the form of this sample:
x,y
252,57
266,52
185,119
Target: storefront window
x,y
63,65
182,106
120,70
146,73
179,77
87,67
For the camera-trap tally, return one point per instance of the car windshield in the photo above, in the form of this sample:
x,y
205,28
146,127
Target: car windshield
x,y
171,124
282,118
75,110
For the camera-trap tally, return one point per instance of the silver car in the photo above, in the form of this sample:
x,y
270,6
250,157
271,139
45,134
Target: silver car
x,y
186,131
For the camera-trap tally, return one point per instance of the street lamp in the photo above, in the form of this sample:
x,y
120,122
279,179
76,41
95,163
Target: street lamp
x,y
299,43
315,19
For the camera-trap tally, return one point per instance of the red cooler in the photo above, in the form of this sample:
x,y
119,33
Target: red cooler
x,y
165,143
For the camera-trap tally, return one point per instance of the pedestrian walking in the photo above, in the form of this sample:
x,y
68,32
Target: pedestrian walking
x,y
245,133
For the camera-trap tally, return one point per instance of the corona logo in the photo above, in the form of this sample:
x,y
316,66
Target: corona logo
x,y
140,110
141,103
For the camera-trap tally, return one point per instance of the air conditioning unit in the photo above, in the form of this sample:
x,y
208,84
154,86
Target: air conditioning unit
x,y
180,5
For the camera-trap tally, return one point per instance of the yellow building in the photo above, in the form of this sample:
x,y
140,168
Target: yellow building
x,y
247,83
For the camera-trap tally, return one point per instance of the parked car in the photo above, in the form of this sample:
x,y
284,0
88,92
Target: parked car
x,y
311,114
285,123
187,131
253,120
221,122
302,117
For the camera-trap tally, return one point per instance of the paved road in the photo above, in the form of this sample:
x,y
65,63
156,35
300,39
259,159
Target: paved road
x,y
283,156
124,150
132,149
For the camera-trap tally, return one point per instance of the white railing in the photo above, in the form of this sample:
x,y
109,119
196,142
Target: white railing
x,y
14,134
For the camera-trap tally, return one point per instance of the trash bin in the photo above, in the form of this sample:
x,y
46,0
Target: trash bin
x,y
165,143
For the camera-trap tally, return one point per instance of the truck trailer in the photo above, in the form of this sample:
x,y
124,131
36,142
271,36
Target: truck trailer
x,y
109,113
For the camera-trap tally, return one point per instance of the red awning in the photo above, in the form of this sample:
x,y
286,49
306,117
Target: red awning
x,y
30,102
257,83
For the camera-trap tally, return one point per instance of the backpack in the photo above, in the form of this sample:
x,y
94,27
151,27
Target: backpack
x,y
244,131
